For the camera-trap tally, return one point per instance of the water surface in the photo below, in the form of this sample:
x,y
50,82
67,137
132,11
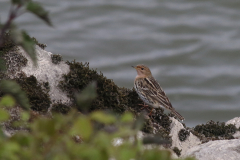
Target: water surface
x,y
192,47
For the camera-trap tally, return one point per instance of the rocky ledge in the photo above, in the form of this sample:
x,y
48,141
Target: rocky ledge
x,y
51,85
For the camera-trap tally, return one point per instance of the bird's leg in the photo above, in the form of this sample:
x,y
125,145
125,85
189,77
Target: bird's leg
x,y
150,112
144,106
147,107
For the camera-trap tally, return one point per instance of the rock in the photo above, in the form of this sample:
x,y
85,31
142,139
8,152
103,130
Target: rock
x,y
52,84
185,145
235,121
7,128
216,150
18,62
47,71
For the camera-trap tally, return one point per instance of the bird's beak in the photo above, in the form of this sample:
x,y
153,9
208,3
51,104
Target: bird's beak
x,y
134,67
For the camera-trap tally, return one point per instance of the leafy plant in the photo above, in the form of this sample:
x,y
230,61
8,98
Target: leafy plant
x,y
20,37
98,135
94,136
13,89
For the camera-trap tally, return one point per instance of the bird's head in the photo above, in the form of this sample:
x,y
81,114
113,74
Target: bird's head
x,y
142,71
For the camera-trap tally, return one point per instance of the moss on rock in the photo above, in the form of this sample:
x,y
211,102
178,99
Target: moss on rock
x,y
37,93
7,44
177,151
183,134
56,58
111,97
41,45
214,131
11,59
60,108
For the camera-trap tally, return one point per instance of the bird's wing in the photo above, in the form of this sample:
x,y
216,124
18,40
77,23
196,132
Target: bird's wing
x,y
151,93
154,93
143,91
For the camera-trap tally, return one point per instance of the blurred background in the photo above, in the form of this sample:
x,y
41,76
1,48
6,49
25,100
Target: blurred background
x,y
192,47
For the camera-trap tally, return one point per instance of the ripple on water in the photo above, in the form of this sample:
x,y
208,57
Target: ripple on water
x,y
192,47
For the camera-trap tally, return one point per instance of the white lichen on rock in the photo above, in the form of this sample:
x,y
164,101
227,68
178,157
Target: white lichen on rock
x,y
235,121
190,142
46,71
216,150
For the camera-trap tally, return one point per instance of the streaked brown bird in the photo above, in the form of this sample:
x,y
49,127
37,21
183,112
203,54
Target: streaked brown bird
x,y
150,91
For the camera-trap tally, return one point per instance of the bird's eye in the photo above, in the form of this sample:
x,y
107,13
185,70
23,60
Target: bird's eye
x,y
142,68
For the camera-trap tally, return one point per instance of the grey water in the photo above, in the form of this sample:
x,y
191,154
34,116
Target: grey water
x,y
192,47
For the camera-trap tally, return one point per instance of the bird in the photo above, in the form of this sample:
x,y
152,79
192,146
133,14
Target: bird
x,y
150,91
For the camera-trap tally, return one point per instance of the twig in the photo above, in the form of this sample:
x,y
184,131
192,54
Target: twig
x,y
11,17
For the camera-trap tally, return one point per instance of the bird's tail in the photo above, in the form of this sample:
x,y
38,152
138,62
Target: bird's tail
x,y
178,115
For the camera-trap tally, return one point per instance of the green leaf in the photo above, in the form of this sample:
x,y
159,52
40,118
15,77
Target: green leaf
x,y
22,138
13,89
126,153
139,122
92,154
127,117
103,118
4,115
12,147
29,46
7,101
85,98
26,42
39,11
45,128
82,127
155,153
2,63
25,116
61,156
